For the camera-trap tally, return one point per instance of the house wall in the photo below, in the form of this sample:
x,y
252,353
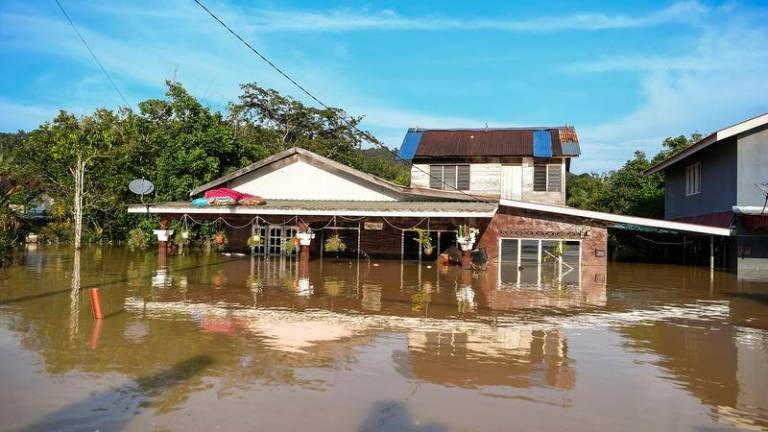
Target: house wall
x,y
483,177
515,223
555,198
752,162
486,178
302,181
718,183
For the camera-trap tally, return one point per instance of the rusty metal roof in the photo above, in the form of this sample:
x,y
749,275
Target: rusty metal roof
x,y
488,142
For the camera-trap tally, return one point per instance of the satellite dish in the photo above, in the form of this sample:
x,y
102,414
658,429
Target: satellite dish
x,y
141,187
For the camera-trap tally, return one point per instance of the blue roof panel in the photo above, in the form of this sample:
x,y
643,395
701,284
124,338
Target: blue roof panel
x,y
542,143
410,144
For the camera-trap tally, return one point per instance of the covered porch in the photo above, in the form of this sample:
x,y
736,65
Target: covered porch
x,y
367,228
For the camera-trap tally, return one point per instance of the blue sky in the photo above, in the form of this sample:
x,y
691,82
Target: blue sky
x,y
625,74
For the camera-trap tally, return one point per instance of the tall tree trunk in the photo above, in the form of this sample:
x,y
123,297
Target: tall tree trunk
x,y
78,214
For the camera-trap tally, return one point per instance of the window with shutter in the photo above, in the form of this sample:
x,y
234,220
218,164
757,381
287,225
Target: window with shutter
x,y
540,178
554,178
462,177
449,177
436,176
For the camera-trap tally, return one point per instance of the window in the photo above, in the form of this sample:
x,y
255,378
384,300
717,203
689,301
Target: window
x,y
537,262
547,177
693,179
449,177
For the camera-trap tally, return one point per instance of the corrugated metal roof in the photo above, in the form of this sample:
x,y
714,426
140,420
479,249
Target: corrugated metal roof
x,y
485,142
570,149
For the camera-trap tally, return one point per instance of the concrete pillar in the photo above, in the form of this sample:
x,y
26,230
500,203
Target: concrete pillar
x,y
466,260
305,239
163,236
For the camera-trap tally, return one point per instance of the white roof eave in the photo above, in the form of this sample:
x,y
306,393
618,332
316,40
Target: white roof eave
x,y
619,219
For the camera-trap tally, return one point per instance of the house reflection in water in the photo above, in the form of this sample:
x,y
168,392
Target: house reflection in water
x,y
520,356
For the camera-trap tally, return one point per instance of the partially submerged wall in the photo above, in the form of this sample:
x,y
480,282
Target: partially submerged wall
x,y
517,223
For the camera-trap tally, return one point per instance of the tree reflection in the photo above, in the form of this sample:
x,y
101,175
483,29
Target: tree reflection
x,y
74,297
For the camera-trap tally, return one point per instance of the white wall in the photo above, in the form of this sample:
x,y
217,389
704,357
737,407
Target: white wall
x,y
486,178
302,181
420,175
752,167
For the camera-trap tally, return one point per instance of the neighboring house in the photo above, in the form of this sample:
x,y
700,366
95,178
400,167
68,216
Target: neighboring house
x,y
717,181
37,207
522,164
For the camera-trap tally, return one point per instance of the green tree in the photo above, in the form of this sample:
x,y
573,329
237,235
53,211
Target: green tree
x,y
63,151
627,190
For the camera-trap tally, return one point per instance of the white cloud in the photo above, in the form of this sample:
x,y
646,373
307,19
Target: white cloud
x,y
731,87
349,20
15,116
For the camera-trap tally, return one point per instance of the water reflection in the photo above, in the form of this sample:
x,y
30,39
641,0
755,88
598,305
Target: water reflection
x,y
380,344
521,356
74,297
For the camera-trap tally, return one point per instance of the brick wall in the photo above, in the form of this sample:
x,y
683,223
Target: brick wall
x,y
515,223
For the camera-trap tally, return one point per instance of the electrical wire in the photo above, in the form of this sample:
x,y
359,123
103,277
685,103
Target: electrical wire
x,y
370,138
95,59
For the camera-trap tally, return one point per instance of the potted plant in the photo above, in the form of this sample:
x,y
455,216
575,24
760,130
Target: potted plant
x,y
181,239
305,238
290,245
466,237
425,240
219,240
334,243
254,241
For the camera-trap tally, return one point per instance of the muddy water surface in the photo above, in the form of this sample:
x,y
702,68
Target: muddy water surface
x,y
234,343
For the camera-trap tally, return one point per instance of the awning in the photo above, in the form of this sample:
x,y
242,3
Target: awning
x,y
619,221
332,208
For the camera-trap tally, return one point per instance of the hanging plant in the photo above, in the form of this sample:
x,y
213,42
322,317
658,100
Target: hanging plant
x,y
334,243
220,238
290,245
425,240
181,238
255,241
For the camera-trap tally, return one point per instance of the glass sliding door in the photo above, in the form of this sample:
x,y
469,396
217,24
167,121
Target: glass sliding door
x,y
539,261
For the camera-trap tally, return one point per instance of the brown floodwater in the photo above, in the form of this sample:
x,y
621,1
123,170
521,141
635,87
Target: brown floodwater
x,y
238,343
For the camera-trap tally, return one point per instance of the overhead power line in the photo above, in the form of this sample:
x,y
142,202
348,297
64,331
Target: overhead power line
x,y
88,47
367,135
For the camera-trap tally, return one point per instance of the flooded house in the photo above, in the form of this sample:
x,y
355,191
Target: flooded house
x,y
722,181
497,194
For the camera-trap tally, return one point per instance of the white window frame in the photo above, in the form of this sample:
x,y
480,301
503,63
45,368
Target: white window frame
x,y
693,179
539,240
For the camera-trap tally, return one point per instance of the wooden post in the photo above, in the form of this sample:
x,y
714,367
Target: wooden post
x,y
96,304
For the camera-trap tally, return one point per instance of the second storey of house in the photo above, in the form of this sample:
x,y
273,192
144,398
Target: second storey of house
x,y
726,169
525,164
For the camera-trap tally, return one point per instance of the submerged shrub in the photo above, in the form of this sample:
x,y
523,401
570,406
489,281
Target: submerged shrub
x,y
137,239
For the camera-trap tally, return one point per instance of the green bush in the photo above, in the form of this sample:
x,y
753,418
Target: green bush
x,y
137,239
